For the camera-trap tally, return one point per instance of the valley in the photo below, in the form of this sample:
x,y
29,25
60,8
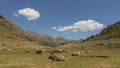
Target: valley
x,y
18,49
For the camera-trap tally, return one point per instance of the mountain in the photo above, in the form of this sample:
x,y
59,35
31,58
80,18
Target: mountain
x,y
12,36
110,32
9,30
62,41
45,39
40,38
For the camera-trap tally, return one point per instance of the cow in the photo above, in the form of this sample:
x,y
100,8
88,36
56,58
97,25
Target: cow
x,y
76,54
41,52
58,58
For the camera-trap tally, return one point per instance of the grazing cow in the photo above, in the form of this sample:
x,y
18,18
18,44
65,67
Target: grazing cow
x,y
76,54
88,52
60,51
40,51
61,58
57,51
66,51
58,58
82,52
9,49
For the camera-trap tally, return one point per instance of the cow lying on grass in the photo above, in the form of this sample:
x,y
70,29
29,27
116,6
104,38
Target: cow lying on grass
x,y
58,58
76,54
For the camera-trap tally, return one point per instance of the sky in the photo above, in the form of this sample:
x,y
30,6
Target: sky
x,y
72,19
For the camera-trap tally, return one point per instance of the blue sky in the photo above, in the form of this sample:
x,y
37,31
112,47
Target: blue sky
x,y
59,17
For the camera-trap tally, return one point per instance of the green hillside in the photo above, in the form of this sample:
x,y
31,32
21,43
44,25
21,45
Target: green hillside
x,y
18,49
40,38
12,36
110,32
9,30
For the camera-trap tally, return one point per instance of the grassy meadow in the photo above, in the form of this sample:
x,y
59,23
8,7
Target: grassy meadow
x,y
31,60
98,58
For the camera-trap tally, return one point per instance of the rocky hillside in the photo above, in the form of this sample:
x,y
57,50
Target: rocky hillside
x,y
40,38
9,30
45,39
12,36
62,40
110,32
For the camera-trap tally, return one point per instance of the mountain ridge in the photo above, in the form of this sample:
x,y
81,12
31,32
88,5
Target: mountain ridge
x,y
9,30
111,31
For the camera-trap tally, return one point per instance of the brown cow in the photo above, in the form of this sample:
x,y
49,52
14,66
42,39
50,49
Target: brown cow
x,y
58,58
76,54
88,52
40,51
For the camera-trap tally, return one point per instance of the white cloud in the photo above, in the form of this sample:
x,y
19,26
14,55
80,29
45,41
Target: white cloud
x,y
83,26
75,30
30,14
54,28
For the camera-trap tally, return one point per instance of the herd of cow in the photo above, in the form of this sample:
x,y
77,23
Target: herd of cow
x,y
53,54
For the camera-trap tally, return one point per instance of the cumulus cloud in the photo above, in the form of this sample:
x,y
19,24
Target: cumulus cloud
x,y
83,26
30,14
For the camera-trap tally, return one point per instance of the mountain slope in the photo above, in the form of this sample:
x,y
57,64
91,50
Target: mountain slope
x,y
9,30
40,38
110,32
12,36
62,40
45,39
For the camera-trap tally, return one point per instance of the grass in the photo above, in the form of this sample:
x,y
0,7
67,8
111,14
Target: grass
x,y
17,58
32,60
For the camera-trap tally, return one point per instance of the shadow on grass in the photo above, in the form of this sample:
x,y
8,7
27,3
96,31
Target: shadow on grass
x,y
95,56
